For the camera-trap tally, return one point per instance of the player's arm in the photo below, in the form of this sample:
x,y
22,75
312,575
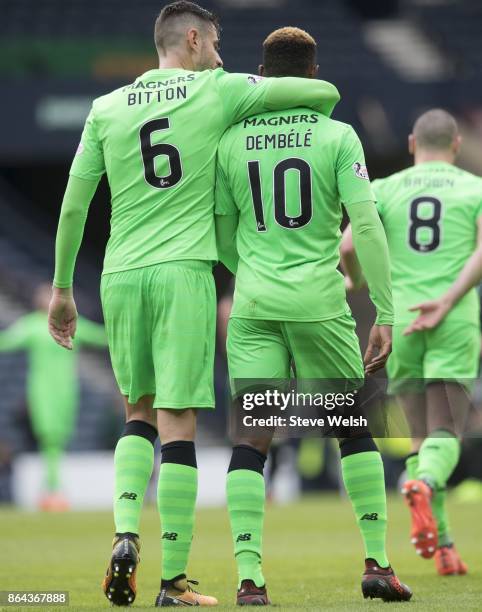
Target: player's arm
x,y
16,337
243,95
226,212
350,264
433,312
226,228
371,247
370,244
91,333
85,173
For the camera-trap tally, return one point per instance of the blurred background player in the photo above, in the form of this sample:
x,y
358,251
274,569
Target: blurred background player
x,y
432,215
52,386
157,289
282,213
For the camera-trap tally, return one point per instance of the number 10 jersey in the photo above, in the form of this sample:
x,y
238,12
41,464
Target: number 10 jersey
x,y
287,174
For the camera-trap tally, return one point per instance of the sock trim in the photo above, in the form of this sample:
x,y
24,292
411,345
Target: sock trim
x,y
171,581
360,444
129,534
181,452
141,429
246,457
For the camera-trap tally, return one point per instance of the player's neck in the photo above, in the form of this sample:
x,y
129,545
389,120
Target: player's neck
x,y
430,156
173,59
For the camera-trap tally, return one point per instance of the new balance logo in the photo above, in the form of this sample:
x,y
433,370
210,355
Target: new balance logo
x,y
127,495
243,537
370,517
169,535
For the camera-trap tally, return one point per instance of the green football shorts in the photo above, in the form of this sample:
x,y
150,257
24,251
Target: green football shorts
x,y
161,325
260,349
448,352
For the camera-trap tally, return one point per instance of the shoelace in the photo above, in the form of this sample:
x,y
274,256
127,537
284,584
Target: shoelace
x,y
189,588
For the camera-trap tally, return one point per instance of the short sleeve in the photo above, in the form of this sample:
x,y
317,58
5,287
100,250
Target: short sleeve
x,y
351,172
242,95
224,201
88,162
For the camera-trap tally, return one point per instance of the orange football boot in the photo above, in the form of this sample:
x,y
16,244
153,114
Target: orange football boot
x,y
418,496
119,584
178,592
448,561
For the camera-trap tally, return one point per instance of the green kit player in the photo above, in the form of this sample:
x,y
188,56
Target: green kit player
x,y
52,387
281,180
432,215
156,139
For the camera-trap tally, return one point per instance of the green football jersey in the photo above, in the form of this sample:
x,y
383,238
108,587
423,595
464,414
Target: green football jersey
x,y
156,139
287,174
429,213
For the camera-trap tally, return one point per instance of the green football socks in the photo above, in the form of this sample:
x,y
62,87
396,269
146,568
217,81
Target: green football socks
x,y
176,499
246,496
133,464
411,465
439,509
437,458
245,490
439,453
364,480
52,455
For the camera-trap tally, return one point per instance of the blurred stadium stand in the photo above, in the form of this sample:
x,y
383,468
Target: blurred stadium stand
x,y
389,59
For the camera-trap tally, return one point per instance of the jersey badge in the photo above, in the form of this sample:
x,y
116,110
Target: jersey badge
x,y
360,171
254,79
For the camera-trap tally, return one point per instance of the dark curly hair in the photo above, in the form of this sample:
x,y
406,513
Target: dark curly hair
x,y
288,52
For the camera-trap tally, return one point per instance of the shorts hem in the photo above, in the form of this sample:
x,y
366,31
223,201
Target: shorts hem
x,y
199,258
167,405
292,320
400,387
170,405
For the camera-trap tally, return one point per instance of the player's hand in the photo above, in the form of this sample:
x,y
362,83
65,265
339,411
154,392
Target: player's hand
x,y
379,348
430,315
62,317
349,286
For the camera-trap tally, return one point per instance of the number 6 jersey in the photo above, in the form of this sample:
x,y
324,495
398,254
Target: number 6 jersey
x,y
429,213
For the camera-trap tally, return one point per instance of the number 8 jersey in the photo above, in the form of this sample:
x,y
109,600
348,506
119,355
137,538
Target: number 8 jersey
x,y
287,174
429,213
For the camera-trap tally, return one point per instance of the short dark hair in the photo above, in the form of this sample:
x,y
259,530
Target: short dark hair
x,y
289,52
181,8
436,129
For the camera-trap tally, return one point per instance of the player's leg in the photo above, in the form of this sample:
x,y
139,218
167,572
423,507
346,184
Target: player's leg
x,y
256,354
52,416
405,370
52,450
452,356
128,331
448,403
182,303
329,351
415,409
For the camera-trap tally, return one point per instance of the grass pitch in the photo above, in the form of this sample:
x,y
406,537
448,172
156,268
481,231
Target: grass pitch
x,y
313,557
